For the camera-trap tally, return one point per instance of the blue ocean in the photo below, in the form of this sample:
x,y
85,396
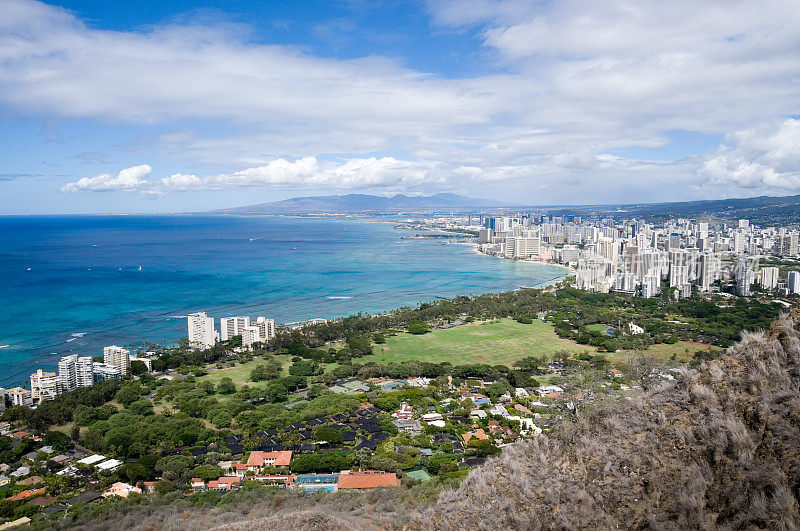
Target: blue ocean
x,y
74,284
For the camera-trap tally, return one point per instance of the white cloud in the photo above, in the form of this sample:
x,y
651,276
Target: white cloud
x,y
764,158
384,173
581,82
127,179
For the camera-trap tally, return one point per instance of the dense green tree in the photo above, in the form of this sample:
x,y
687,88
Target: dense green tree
x,y
225,386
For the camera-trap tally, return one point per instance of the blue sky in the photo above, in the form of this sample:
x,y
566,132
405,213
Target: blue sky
x,y
183,106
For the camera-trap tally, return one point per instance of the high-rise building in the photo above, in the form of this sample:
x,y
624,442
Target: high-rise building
x,y
794,282
769,278
266,328
250,335
104,371
45,386
75,371
201,330
744,277
118,357
232,326
786,244
738,242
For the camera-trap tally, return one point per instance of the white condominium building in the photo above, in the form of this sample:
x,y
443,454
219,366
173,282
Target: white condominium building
x,y
118,357
201,330
266,327
260,331
19,396
104,371
75,371
794,282
45,386
250,335
769,277
232,326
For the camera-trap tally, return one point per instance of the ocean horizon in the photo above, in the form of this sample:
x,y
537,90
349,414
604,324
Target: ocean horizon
x,y
77,283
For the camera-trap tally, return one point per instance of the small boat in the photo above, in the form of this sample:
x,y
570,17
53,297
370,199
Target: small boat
x,y
29,269
140,268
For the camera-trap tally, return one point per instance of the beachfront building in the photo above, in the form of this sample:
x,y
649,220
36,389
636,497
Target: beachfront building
x,y
19,396
45,386
75,371
104,371
117,357
260,331
266,328
250,335
201,330
232,326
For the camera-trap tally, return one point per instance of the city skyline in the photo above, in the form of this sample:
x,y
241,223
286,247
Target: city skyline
x,y
165,108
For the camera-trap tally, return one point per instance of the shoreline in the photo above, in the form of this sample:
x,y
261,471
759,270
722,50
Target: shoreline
x,y
571,270
21,359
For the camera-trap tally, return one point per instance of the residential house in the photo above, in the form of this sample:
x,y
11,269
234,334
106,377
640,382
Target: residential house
x,y
522,409
476,433
478,414
123,490
367,479
198,484
547,389
225,484
433,419
27,494
411,426
499,410
258,459
404,412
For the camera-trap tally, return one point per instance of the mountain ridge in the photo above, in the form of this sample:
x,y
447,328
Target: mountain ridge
x,y
764,209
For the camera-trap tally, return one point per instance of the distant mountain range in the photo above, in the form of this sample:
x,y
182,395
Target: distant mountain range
x,y
763,209
354,203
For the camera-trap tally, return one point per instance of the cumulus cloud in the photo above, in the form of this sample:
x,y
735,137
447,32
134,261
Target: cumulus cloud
x,y
575,81
127,179
765,157
180,181
384,173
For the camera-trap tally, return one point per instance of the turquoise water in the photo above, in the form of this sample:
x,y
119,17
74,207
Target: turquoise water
x,y
85,289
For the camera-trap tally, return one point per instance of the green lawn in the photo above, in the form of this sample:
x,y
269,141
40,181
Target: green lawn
x,y
597,327
494,342
240,373
683,351
502,342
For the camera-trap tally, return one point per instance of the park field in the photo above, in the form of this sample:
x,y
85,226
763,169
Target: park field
x,y
502,342
499,342
240,373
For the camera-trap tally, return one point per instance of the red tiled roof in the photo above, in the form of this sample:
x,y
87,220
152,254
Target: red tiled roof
x,y
27,494
478,434
282,458
367,479
229,479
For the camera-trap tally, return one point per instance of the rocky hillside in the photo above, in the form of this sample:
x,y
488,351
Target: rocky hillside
x,y
718,448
